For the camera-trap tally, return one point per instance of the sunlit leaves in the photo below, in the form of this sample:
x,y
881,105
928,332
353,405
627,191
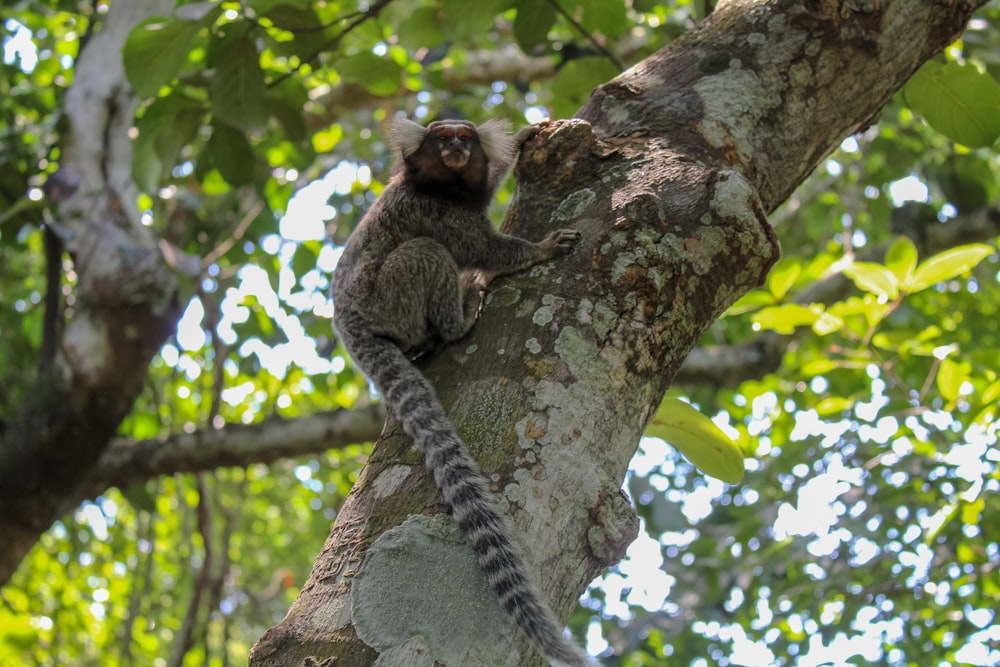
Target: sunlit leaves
x,y
901,259
947,265
785,319
899,273
951,377
783,276
698,439
873,278
957,100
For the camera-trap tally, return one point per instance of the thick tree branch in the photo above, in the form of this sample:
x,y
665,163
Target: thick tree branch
x,y
775,89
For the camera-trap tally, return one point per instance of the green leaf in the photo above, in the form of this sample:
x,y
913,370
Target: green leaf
x,y
826,322
819,367
532,24
958,101
787,318
607,17
165,128
379,75
950,378
873,278
967,181
783,276
285,103
991,394
237,90
698,439
836,405
466,19
301,23
946,265
231,154
155,51
16,632
422,29
901,259
304,258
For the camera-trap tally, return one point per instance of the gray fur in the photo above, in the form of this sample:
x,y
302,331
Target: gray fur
x,y
401,287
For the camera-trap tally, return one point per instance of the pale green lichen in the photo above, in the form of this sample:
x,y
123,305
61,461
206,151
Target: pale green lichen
x,y
420,579
620,112
573,206
386,483
543,315
736,101
800,74
503,296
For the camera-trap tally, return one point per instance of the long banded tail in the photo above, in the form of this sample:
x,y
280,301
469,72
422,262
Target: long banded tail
x,y
465,490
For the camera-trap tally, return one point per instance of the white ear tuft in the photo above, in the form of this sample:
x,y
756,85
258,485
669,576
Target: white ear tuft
x,y
406,135
497,143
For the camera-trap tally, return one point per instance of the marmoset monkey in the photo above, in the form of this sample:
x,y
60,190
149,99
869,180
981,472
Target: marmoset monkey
x,y
400,287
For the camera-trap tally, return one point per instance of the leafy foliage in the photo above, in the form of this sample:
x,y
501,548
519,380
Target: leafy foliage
x,y
866,524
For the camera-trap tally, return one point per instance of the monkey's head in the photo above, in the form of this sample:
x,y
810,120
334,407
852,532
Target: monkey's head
x,y
453,158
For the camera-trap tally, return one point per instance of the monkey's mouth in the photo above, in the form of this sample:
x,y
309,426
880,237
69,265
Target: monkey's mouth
x,y
455,159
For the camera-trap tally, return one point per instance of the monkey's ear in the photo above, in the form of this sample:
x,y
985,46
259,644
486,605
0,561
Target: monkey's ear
x,y
406,135
497,143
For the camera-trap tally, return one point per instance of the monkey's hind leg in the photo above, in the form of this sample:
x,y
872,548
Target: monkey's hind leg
x,y
423,300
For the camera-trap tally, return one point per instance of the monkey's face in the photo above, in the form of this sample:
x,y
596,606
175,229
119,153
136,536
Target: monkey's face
x,y
455,144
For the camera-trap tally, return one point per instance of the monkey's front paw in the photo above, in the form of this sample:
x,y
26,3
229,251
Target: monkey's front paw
x,y
561,241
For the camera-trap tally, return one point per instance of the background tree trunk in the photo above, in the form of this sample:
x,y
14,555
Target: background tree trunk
x,y
668,173
125,302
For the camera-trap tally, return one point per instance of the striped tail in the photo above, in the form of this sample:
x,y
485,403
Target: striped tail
x,y
414,402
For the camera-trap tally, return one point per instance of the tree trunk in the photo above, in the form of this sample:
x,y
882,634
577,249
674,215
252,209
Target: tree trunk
x,y
124,303
668,172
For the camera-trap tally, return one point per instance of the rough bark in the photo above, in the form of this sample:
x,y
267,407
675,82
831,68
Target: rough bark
x,y
124,300
668,172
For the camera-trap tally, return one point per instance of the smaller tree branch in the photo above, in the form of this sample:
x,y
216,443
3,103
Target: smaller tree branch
x,y
129,462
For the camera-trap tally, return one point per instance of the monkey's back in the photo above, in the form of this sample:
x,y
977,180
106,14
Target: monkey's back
x,y
397,216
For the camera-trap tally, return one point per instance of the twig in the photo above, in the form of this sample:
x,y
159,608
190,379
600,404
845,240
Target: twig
x,y
586,35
